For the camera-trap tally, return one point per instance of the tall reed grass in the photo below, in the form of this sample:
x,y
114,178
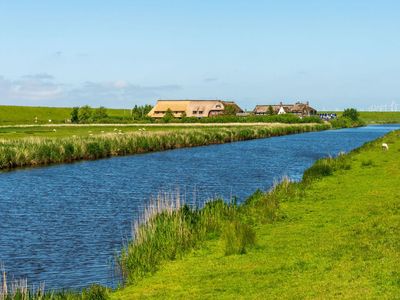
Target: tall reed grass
x,y
169,228
20,290
42,151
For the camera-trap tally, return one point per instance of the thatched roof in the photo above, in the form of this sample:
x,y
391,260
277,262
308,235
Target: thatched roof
x,y
192,108
297,108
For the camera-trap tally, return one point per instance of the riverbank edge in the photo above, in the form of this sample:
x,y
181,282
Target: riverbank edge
x,y
33,152
287,191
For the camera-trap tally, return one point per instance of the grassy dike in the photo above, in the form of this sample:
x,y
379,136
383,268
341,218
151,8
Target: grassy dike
x,y
333,235
35,151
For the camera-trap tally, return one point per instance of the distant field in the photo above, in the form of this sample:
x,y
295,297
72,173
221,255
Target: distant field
x,y
11,115
381,117
375,117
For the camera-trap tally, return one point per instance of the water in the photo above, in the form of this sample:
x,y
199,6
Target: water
x,y
62,224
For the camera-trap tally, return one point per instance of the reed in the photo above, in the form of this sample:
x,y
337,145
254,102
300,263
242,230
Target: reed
x,y
37,151
169,228
20,290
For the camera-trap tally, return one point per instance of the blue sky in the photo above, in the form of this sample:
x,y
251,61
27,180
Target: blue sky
x,y
334,54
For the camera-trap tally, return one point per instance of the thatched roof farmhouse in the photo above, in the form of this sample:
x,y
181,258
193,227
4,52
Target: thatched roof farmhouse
x,y
300,109
193,108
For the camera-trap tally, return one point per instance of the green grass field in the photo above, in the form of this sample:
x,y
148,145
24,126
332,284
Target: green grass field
x,y
337,238
380,117
13,115
68,131
371,117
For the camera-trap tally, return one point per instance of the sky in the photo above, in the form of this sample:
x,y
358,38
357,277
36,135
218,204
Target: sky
x,y
334,54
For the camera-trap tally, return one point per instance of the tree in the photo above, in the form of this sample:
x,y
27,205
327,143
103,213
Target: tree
x,y
74,115
100,113
230,110
270,110
85,114
351,113
140,112
168,116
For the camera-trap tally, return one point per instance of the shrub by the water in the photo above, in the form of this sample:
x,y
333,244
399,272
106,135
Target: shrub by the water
x,y
326,167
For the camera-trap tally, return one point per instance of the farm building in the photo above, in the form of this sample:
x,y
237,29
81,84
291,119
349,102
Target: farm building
x,y
193,108
300,109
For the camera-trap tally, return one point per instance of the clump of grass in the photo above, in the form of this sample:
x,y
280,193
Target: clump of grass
x,y
367,163
35,151
326,167
238,237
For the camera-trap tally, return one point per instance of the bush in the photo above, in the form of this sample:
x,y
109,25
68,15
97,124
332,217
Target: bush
x,y
75,115
352,114
168,116
99,113
85,114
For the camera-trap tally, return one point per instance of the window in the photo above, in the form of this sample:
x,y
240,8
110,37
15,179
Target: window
x,y
195,112
218,106
200,112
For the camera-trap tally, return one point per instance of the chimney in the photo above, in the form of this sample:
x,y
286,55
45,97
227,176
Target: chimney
x,y
280,103
307,103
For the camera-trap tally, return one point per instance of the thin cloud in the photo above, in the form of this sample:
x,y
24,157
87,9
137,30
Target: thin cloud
x,y
210,79
40,76
43,89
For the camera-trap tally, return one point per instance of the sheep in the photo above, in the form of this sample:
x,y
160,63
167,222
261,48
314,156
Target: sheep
x,y
385,146
54,130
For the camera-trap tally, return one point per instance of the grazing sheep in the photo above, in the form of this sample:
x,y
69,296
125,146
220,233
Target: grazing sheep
x,y
385,146
49,121
54,130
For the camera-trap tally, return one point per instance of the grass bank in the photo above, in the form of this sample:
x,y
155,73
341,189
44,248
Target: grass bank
x,y
335,234
12,115
36,151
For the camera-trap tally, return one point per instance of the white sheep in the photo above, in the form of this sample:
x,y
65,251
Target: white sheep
x,y
385,146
